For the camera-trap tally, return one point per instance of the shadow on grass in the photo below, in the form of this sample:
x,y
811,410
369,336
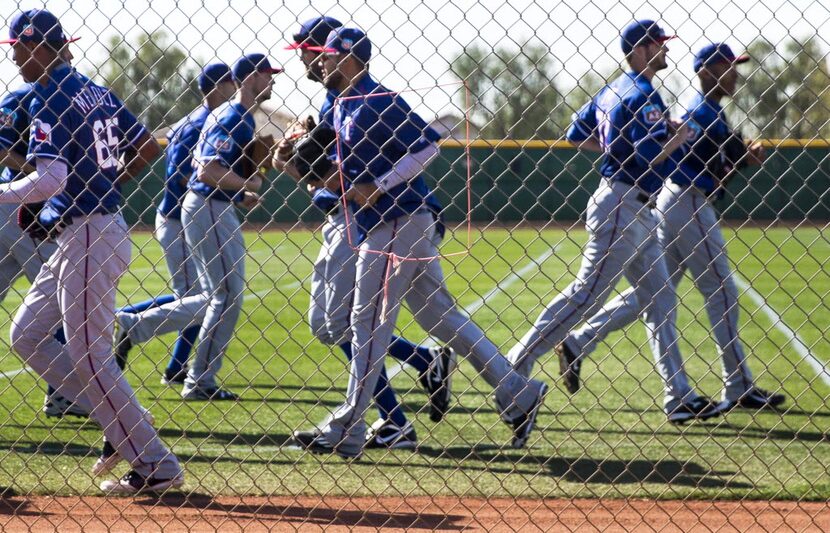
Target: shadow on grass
x,y
319,514
588,470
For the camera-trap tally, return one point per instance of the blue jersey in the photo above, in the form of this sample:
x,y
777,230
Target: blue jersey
x,y
630,121
181,141
373,134
227,131
326,116
708,132
14,125
87,127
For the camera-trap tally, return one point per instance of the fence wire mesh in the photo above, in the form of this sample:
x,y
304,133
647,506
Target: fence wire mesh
x,y
384,264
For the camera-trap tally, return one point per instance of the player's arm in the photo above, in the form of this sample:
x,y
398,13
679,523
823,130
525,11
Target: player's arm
x,y
215,174
138,156
48,180
11,159
582,133
650,134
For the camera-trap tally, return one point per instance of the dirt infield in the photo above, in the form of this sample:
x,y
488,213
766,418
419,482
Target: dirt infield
x,y
204,513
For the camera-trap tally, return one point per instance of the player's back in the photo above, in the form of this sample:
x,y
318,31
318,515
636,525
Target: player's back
x,y
84,125
14,125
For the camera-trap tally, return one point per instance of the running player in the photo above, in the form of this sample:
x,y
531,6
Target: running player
x,y
691,235
213,234
627,122
383,148
332,284
217,87
78,132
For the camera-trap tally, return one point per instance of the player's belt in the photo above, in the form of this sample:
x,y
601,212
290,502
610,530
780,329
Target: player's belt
x,y
645,199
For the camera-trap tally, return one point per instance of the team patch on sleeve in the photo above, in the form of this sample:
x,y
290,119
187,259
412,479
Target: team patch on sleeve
x,y
222,145
652,114
41,131
7,117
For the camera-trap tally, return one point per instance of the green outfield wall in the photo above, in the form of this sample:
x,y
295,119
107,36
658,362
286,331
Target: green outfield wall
x,y
549,180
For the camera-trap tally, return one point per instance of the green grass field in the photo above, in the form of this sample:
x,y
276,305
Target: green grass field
x,y
610,440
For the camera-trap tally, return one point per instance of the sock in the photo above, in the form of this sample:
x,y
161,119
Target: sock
x,y
385,399
147,304
182,348
412,354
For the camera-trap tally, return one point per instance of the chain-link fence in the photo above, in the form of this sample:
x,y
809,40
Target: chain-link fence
x,y
385,265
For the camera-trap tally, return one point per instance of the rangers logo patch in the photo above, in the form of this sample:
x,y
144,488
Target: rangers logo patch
x,y
28,31
222,146
41,131
346,44
652,114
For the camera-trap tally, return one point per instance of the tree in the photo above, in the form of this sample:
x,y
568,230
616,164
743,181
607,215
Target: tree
x,y
786,93
152,76
514,92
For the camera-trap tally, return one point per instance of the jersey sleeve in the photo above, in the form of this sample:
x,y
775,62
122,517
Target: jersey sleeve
x,y
648,129
131,129
583,123
181,146
225,140
49,132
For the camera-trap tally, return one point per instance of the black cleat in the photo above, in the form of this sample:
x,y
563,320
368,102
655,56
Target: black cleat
x,y
569,367
172,379
212,394
134,483
57,406
523,425
315,442
701,408
437,381
387,434
123,345
754,399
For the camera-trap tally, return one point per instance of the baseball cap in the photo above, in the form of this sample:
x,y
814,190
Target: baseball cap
x,y
347,41
642,32
250,63
716,53
37,25
212,75
313,32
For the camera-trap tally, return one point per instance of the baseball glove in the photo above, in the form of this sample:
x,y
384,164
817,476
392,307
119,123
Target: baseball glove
x,y
27,219
311,155
258,153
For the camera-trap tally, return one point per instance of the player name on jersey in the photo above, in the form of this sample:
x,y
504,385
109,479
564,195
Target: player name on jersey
x,y
91,97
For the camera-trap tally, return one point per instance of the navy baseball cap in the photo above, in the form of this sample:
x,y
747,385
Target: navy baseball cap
x,y
36,26
347,41
212,75
717,53
313,32
642,32
250,63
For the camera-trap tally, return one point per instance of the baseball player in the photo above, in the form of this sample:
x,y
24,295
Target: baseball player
x,y
333,278
627,122
79,131
217,87
691,235
382,148
213,234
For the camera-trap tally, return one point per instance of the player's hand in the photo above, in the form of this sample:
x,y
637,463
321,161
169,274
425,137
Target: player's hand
x,y
756,154
283,152
295,130
312,185
364,194
250,201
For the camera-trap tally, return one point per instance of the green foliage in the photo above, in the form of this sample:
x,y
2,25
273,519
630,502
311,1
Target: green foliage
x,y
153,77
514,91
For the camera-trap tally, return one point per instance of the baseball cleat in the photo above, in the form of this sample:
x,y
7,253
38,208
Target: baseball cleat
x,y
56,406
212,394
387,434
123,345
109,458
173,379
134,483
437,381
569,367
755,399
315,442
701,408
524,423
